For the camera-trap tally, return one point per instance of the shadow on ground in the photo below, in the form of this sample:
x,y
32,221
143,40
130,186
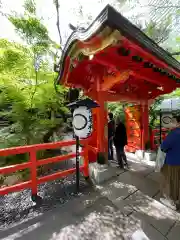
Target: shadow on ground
x,y
133,193
118,209
99,219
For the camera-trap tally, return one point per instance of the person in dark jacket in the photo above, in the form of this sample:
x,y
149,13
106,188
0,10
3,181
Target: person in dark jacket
x,y
120,140
111,130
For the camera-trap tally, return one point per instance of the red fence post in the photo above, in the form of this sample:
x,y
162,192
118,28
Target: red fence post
x,y
33,174
33,164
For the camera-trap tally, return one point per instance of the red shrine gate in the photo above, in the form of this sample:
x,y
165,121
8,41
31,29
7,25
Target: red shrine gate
x,y
111,61
114,61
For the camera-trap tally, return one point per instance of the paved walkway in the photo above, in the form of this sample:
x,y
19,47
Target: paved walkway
x,y
126,207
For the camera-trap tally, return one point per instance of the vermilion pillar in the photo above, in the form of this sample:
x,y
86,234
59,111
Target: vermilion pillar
x,y
144,125
102,122
99,138
102,144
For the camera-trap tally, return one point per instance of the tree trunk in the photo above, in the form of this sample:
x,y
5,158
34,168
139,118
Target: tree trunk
x,y
56,3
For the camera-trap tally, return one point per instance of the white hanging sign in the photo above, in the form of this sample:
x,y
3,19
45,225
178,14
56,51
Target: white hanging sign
x,y
166,120
82,122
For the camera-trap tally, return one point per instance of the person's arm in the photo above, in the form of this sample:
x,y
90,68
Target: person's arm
x,y
168,142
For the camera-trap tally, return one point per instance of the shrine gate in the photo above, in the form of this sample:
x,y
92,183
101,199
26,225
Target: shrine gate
x,y
114,61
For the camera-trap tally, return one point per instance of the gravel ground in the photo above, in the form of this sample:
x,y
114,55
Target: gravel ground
x,y
18,207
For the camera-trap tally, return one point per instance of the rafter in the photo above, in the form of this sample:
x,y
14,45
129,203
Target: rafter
x,y
110,81
123,97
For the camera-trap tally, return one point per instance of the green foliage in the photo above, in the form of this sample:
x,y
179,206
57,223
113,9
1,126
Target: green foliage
x,y
28,26
28,100
15,61
118,110
30,29
29,125
176,93
153,115
31,120
161,33
30,6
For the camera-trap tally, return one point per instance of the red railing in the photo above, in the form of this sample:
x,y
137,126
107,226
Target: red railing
x,y
33,163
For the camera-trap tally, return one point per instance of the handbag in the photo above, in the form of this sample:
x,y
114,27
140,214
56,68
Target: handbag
x,y
160,159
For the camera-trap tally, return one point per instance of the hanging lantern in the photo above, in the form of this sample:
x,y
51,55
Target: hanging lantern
x,y
82,125
82,122
82,117
166,120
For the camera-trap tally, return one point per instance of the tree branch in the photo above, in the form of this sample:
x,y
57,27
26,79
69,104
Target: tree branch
x,y
57,5
161,6
175,53
35,88
162,39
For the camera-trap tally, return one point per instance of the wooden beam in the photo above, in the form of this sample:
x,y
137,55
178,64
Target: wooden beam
x,y
92,93
110,97
123,97
110,81
138,71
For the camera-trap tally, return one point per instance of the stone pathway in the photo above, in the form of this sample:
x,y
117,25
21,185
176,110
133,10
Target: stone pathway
x,y
125,207
135,194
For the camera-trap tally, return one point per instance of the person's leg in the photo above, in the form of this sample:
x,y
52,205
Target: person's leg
x,y
166,187
164,182
178,201
119,157
124,157
111,149
174,183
